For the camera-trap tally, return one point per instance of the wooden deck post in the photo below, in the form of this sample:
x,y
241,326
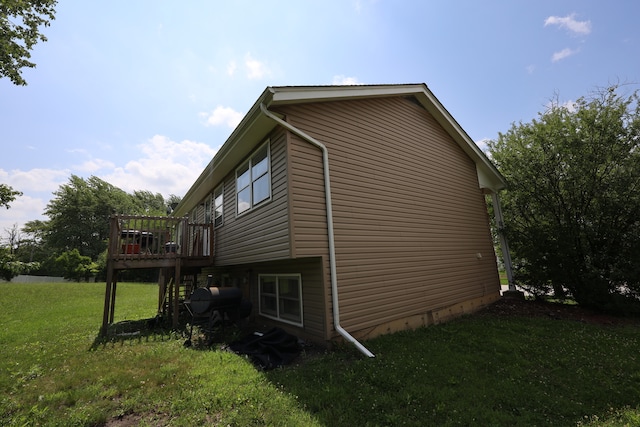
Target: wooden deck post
x,y
162,288
176,296
107,305
112,309
109,299
138,241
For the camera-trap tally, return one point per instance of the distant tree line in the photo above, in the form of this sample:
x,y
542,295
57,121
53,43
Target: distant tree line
x,y
73,241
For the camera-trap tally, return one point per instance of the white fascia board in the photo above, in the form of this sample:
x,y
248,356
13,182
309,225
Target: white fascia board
x,y
254,127
283,95
488,175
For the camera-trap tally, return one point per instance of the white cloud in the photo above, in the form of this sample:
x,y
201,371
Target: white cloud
x,y
562,54
482,144
222,116
165,167
161,166
37,185
569,105
231,68
569,23
530,68
22,209
36,180
344,80
94,165
255,68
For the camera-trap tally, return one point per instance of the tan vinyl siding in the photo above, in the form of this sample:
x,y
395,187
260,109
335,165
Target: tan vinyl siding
x,y
308,200
409,215
263,233
308,207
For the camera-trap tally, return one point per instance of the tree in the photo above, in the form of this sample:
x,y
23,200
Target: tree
x,y
7,195
14,238
33,248
79,215
10,267
20,23
75,266
148,203
573,197
172,202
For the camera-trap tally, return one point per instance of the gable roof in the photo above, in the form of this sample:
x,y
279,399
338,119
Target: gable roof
x,y
255,126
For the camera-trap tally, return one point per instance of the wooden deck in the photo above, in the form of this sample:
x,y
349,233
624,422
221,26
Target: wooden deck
x,y
174,246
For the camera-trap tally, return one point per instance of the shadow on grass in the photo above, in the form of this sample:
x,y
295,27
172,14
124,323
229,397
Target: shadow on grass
x,y
135,330
196,335
480,370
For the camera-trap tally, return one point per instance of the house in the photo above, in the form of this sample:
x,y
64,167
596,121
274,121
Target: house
x,y
350,211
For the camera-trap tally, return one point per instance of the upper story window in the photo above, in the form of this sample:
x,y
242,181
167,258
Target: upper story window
x,y
218,202
253,180
207,210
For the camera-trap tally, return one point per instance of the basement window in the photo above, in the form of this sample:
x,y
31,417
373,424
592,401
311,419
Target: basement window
x,y
253,180
281,297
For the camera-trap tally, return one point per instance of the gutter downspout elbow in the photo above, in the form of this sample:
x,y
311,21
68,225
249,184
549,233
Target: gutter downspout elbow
x,y
330,232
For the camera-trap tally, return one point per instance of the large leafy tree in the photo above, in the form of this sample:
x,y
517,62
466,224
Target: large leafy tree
x,y
79,215
7,195
34,248
573,198
148,203
20,23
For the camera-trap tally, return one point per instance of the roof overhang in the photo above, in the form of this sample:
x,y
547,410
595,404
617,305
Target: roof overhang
x,y
251,130
255,126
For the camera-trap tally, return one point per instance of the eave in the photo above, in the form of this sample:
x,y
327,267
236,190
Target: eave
x,y
255,126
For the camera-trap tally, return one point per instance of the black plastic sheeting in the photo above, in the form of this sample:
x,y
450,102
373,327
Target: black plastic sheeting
x,y
268,350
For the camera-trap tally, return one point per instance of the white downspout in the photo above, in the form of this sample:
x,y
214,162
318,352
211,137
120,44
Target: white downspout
x,y
332,251
506,255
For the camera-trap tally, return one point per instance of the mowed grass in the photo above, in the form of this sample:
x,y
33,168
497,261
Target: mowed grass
x,y
477,370
54,373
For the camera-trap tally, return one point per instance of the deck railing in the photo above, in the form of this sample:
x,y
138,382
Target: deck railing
x,y
158,237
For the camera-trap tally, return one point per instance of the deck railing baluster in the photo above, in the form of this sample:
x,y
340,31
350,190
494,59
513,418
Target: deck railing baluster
x,y
136,237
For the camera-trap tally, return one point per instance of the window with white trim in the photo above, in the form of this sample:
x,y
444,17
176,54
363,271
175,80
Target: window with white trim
x,y
253,180
280,297
218,201
207,210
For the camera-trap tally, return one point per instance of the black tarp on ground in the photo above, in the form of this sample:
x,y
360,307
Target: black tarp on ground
x,y
269,350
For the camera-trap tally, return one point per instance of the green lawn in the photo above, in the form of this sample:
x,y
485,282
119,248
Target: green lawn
x,y
478,370
503,278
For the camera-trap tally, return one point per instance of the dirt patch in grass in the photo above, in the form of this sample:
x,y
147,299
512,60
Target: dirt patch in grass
x,y
132,420
124,421
554,310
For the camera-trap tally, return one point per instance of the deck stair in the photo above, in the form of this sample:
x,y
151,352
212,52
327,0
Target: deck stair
x,y
173,245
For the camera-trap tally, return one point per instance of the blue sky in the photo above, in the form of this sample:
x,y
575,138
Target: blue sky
x,y
143,93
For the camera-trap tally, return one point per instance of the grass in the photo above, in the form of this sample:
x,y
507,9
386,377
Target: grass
x,y
478,370
504,281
